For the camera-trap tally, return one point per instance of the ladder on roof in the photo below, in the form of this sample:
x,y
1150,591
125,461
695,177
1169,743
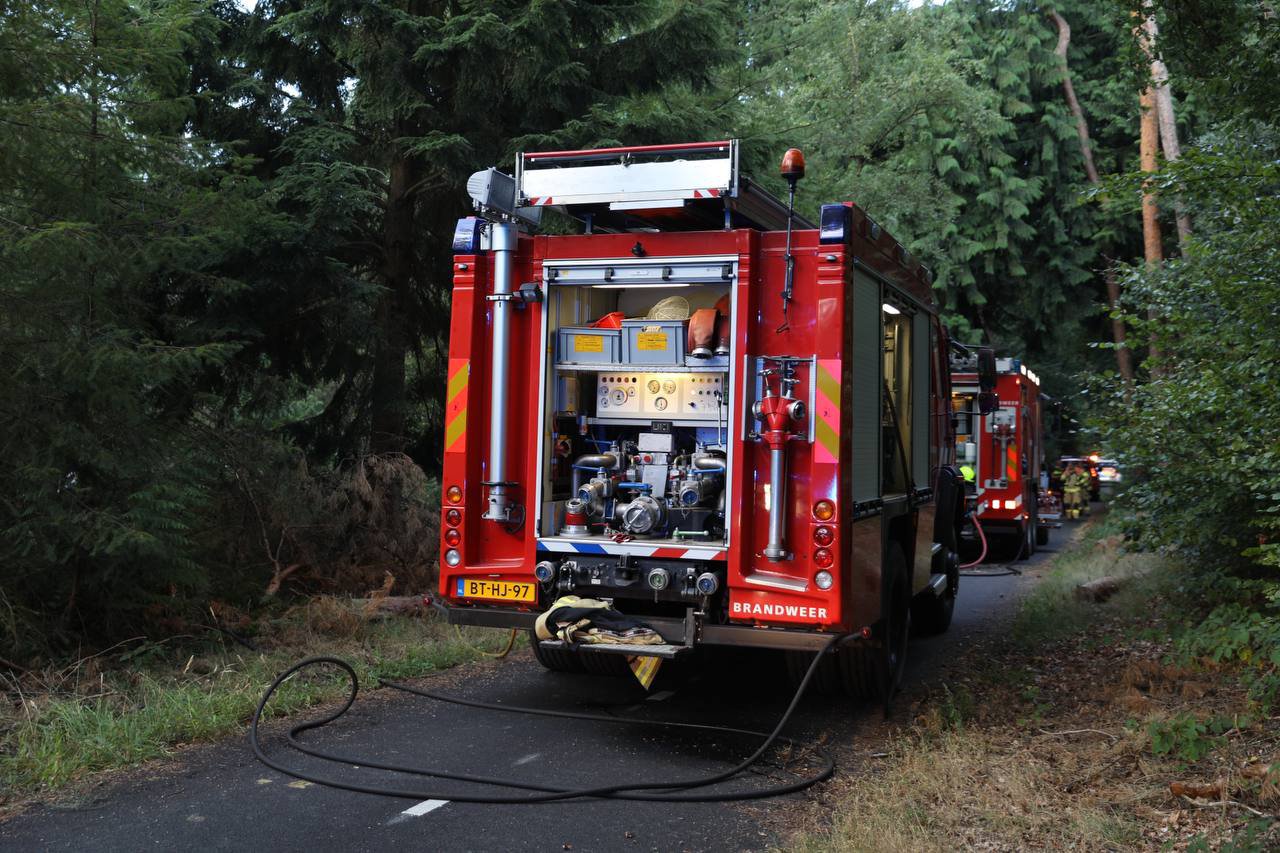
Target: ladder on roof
x,y
690,186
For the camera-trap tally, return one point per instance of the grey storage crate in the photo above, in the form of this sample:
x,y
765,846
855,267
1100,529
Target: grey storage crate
x,y
653,341
588,345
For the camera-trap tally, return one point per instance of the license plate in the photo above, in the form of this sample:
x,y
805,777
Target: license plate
x,y
495,590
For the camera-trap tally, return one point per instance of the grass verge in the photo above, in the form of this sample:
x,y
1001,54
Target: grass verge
x,y
143,701
1085,727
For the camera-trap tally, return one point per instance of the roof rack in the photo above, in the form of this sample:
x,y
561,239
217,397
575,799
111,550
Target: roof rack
x,y
690,186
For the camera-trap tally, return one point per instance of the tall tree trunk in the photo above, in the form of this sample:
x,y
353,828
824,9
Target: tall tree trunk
x,y
1151,243
1165,115
393,307
1124,358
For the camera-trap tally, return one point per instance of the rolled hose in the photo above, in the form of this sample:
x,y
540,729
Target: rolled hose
x,y
681,790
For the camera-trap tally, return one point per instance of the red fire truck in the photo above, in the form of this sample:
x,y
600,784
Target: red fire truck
x,y
732,422
1001,454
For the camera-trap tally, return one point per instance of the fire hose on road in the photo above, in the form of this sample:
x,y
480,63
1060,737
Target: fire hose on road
x,y
967,568
679,790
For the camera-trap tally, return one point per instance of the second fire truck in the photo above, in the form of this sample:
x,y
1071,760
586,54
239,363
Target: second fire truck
x,y
1001,454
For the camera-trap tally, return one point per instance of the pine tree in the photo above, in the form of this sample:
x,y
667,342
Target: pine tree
x,y
113,224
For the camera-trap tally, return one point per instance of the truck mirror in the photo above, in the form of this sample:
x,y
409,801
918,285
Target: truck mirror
x,y
986,369
988,402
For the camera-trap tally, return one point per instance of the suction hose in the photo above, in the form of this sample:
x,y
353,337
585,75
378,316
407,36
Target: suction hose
x,y
680,790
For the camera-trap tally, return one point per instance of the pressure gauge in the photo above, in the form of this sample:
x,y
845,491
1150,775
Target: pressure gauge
x,y
668,386
618,396
631,392
654,385
660,404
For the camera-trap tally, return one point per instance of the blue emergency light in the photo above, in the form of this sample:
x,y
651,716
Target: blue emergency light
x,y
834,224
466,235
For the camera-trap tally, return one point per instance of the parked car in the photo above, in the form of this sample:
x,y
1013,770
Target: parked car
x,y
1109,476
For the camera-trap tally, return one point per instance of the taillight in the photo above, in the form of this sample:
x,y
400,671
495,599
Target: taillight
x,y
824,510
823,558
452,537
824,536
454,495
453,518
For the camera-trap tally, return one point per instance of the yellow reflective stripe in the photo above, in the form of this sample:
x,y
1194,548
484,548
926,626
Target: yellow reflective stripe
x,y
827,437
457,383
455,429
828,385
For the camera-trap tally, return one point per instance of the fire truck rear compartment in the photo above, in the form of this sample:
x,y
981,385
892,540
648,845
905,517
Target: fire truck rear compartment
x,y
637,433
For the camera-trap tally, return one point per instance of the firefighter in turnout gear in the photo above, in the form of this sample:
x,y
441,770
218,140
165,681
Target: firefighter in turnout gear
x,y
1074,485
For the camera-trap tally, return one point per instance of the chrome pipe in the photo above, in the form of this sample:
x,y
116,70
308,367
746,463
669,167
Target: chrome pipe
x,y
776,550
503,239
710,463
592,460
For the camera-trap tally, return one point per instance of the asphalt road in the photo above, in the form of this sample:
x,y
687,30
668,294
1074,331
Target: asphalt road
x,y
221,798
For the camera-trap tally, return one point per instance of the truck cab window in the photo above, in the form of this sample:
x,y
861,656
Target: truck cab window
x,y
896,410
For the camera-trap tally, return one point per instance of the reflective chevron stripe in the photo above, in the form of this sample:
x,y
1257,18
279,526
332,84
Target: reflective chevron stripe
x,y
826,424
455,405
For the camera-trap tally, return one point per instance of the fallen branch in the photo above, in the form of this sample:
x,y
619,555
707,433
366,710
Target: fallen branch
x,y
1079,732
1220,803
1099,590
398,604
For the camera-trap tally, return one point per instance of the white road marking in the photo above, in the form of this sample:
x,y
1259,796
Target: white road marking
x,y
424,807
531,757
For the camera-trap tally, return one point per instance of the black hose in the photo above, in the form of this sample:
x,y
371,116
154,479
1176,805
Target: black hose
x,y
682,789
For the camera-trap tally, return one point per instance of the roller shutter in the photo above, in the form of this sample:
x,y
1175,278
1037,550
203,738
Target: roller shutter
x,y
864,405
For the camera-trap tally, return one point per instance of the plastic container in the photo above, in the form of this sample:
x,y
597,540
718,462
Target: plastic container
x,y
612,320
588,345
653,341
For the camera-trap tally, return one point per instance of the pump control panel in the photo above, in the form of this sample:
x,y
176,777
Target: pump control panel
x,y
674,396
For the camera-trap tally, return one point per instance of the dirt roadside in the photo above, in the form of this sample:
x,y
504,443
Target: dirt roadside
x,y
1078,728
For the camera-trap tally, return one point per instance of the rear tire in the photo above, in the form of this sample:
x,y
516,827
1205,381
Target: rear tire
x,y
875,672
603,663
1042,535
1028,544
556,660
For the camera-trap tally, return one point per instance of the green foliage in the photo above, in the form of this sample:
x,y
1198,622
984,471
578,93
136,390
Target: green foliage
x,y
1203,432
113,230
1185,737
1229,50
948,124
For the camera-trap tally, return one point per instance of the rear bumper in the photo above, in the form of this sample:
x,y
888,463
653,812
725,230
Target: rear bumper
x,y
672,630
